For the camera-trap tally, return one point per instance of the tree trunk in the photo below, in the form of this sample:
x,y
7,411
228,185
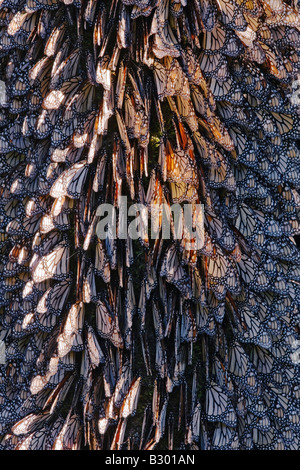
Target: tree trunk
x,y
115,333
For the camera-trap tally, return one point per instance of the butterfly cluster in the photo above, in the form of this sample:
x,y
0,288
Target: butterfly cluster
x,y
147,344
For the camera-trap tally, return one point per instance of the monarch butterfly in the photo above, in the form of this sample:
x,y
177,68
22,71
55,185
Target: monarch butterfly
x,y
34,441
251,275
95,353
19,142
41,71
102,267
83,101
264,440
70,436
222,233
56,63
240,366
214,39
89,287
224,438
161,421
71,181
42,244
119,435
123,384
35,4
42,126
170,79
123,35
174,271
55,39
178,165
129,404
54,265
249,220
24,23
23,426
54,298
165,42
253,331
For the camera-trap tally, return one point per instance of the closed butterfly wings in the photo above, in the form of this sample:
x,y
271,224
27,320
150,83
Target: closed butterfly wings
x,y
107,325
70,337
55,264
